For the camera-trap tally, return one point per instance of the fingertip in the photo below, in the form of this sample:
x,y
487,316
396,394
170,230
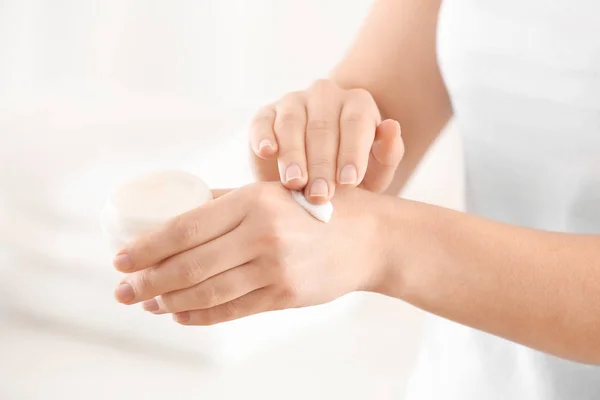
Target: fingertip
x,y
292,176
319,191
122,262
316,200
348,175
265,149
182,317
124,293
151,306
388,147
388,129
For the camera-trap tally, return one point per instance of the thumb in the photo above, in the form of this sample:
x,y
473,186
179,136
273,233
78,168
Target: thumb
x,y
386,154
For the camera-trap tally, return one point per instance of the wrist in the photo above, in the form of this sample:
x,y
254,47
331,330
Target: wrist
x,y
403,238
389,235
358,218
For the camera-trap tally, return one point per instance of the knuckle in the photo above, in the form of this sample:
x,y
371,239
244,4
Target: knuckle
x,y
190,270
273,242
260,200
205,318
320,162
361,94
293,155
264,116
261,120
268,199
322,85
321,126
350,151
186,229
268,239
353,117
208,296
259,193
229,310
288,295
144,281
292,97
288,121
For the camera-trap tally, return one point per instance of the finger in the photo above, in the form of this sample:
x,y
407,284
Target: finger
x,y
358,122
322,141
194,228
264,170
263,162
219,289
386,154
189,268
252,303
290,126
262,136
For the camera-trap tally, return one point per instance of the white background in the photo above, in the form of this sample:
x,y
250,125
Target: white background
x,y
90,90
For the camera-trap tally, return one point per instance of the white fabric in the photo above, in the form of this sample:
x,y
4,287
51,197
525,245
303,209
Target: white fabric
x,y
524,78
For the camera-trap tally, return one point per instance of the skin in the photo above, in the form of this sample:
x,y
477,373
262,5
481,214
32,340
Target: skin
x,y
537,288
390,73
275,265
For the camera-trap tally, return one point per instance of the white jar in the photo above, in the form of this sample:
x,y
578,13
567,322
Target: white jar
x,y
139,204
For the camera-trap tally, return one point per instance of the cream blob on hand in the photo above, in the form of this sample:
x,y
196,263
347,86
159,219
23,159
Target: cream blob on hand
x,y
322,212
137,205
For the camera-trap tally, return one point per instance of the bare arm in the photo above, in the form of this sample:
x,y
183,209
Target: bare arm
x,y
394,58
537,288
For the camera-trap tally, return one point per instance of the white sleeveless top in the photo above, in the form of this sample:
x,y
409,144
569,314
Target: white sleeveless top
x,y
524,79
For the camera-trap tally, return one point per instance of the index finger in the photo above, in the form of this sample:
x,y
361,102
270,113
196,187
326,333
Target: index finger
x,y
264,146
191,229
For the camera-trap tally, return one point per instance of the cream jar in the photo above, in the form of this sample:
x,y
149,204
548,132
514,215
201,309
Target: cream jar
x,y
141,203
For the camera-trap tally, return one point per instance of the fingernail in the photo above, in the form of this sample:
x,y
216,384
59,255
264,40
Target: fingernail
x,y
349,175
292,172
150,305
122,262
265,143
319,188
182,317
124,293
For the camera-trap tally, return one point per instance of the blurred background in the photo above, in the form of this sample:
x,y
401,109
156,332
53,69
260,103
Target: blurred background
x,y
92,91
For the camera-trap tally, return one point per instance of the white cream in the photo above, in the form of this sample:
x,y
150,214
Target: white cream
x,y
143,202
322,212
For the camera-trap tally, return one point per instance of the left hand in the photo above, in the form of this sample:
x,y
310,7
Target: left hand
x,y
251,250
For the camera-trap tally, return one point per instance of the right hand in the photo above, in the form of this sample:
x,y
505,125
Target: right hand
x,y
325,136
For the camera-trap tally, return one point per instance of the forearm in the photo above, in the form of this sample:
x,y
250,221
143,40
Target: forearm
x,y
394,58
537,288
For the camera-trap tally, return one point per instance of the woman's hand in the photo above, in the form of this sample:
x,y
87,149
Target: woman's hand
x,y
252,250
323,137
